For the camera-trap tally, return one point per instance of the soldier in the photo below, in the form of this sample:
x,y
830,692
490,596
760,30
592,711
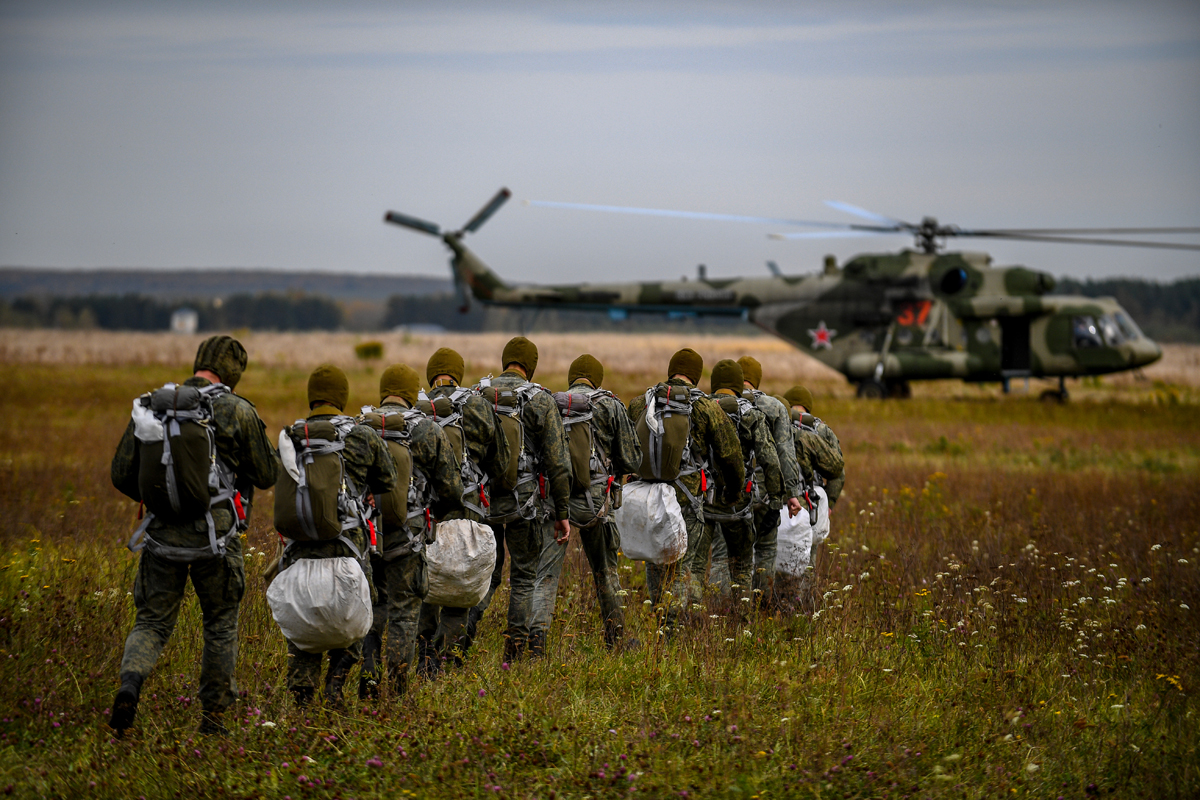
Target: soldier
x,y
819,455
711,435
445,634
530,505
766,518
179,550
370,468
733,523
399,571
614,452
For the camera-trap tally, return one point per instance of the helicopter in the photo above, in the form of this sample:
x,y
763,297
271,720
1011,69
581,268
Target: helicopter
x,y
882,320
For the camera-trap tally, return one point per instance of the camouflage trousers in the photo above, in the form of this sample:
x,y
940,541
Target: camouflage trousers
x,y
304,668
601,545
731,543
158,594
766,540
442,637
671,585
524,540
400,586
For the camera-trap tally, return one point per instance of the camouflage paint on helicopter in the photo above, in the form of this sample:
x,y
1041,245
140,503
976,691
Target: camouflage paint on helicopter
x,y
880,320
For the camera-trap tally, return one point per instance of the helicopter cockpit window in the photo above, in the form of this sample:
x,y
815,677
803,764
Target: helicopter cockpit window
x,y
1127,326
954,280
1086,333
1112,333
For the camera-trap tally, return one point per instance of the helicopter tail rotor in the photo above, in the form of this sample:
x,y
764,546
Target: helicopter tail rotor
x,y
417,224
485,213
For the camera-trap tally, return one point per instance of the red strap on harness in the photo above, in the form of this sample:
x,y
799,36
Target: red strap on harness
x,y
238,507
542,485
749,486
608,486
141,510
483,498
428,520
382,424
371,529
306,439
703,481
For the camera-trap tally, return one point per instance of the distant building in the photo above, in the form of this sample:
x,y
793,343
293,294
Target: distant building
x,y
184,320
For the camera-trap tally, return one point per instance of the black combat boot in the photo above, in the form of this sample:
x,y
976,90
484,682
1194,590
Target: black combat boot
x,y
211,724
368,681
125,704
302,696
514,648
537,644
429,663
465,641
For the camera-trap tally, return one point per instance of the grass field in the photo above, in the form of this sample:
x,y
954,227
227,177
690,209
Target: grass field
x,y
1010,597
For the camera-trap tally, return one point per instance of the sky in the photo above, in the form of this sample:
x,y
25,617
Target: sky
x,y
244,134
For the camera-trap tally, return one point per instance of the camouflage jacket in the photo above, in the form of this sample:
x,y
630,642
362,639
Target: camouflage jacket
x,y
834,483
431,453
714,435
486,444
780,424
616,438
243,445
546,439
817,458
754,436
370,466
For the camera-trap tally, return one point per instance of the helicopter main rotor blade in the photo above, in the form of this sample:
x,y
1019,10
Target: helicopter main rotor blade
x,y
849,232
486,212
1074,240
662,212
871,215
1055,231
396,218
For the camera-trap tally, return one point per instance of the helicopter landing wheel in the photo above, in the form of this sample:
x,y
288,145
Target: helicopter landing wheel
x,y
899,389
872,390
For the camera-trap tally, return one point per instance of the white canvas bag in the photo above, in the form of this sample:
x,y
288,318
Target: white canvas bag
x,y
460,563
651,523
794,543
321,603
821,528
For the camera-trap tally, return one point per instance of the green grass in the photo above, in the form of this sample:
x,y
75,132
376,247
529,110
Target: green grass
x,y
985,629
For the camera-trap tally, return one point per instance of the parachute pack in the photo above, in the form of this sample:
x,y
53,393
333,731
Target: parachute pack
x,y
447,412
315,499
410,501
736,408
181,477
665,431
523,467
590,465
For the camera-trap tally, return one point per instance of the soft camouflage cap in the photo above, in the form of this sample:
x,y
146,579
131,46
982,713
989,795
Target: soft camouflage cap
x,y
400,380
520,350
223,355
586,366
727,374
687,362
799,396
445,361
328,384
751,370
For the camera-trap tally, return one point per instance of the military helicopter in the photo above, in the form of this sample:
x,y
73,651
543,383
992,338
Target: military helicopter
x,y
882,320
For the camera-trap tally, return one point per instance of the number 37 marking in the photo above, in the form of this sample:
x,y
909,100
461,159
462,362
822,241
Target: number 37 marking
x,y
914,313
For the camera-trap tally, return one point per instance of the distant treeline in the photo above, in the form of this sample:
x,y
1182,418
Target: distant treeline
x,y
1166,312
132,312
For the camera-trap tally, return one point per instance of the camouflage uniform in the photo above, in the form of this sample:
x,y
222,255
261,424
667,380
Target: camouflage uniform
x,y
447,633
738,535
834,477
242,443
401,582
370,467
527,539
766,519
600,538
713,434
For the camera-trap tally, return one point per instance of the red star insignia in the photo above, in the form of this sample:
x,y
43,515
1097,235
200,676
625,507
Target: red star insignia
x,y
822,336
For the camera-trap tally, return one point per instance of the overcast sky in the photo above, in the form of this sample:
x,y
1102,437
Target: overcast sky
x,y
173,134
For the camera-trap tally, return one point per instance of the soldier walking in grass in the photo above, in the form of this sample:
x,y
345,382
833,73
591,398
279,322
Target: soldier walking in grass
x,y
733,523
530,502
368,469
709,435
480,452
202,543
603,448
429,489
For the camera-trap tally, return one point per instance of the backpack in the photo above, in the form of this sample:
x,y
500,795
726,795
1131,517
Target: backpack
x,y
522,468
665,431
414,493
447,412
181,476
315,500
735,407
590,465
807,422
